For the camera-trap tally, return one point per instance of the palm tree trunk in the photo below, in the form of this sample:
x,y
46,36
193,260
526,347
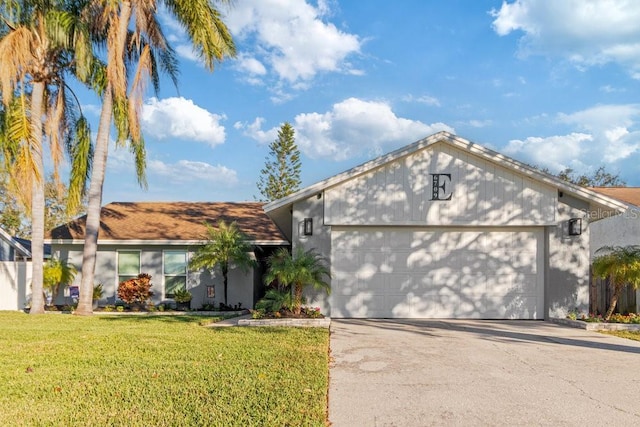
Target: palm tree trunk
x,y
297,298
85,303
115,50
617,290
225,280
37,201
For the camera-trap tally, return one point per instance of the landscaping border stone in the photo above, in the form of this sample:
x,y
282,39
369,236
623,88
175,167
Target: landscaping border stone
x,y
596,326
304,323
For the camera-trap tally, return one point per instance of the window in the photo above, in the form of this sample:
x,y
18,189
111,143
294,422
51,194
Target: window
x,y
128,265
175,272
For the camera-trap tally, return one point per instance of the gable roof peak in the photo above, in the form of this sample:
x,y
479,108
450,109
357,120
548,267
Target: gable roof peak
x,y
459,143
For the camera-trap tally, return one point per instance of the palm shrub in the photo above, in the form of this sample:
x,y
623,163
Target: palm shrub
x,y
621,265
298,270
226,247
275,300
98,291
182,295
136,290
57,273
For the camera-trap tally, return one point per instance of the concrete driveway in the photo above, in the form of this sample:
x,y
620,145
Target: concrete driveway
x,y
460,372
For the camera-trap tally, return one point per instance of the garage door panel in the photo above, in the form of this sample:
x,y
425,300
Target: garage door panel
x,y
447,273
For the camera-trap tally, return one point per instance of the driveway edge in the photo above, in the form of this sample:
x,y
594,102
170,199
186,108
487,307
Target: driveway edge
x,y
594,326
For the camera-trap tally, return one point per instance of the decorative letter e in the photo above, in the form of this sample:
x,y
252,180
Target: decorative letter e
x,y
441,186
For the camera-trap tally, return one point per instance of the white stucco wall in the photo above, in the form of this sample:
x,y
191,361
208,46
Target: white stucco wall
x,y
618,230
567,270
486,195
401,193
15,280
240,287
313,207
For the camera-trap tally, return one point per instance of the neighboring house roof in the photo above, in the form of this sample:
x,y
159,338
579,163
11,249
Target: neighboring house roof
x,y
27,245
459,143
171,223
18,244
629,195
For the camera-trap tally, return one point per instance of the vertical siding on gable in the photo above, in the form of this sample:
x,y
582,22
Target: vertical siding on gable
x,y
399,193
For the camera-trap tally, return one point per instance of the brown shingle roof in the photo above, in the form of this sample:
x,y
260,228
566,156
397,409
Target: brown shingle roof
x,y
172,221
626,194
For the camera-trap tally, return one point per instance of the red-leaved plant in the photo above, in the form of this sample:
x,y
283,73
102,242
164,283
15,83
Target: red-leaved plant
x,y
136,290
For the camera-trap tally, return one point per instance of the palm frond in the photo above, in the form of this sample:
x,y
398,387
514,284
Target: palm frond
x,y
81,160
16,57
203,23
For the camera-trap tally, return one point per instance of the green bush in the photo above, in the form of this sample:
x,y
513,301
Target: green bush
x,y
275,300
182,295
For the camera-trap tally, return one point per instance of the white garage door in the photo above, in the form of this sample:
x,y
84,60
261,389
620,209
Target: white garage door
x,y
437,273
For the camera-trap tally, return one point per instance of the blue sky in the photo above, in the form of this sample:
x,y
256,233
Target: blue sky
x,y
550,83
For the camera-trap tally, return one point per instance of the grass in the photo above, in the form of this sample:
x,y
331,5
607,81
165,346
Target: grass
x,y
160,370
631,335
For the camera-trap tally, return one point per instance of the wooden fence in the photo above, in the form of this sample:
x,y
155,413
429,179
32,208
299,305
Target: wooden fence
x,y
600,298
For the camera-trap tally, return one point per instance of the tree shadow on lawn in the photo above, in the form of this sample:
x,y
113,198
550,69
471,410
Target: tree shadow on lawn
x,y
495,331
182,318
204,321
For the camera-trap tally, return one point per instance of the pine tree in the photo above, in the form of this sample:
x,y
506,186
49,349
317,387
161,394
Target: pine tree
x,y
281,173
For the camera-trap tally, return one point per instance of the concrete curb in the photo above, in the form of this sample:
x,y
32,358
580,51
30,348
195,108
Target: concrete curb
x,y
304,323
593,326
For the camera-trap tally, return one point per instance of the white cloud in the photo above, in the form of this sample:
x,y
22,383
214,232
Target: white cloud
x,y
611,89
93,109
186,51
612,127
251,65
585,33
190,171
603,117
554,152
604,134
254,131
181,118
480,123
355,127
292,39
424,99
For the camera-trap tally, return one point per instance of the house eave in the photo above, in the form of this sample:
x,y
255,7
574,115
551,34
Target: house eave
x,y
139,242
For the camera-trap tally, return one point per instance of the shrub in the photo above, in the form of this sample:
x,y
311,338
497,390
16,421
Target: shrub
x,y
182,295
136,290
275,300
257,314
98,291
312,312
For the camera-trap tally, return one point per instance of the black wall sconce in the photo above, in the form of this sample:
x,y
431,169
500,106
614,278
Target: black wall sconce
x,y
575,226
308,227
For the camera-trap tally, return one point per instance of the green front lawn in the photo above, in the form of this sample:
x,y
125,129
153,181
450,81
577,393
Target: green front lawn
x,y
58,369
632,335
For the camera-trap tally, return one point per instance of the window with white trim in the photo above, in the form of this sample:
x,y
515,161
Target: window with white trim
x,y
174,271
128,265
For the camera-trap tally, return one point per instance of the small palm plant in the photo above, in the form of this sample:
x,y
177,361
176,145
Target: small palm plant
x,y
275,300
55,274
621,264
298,270
227,247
